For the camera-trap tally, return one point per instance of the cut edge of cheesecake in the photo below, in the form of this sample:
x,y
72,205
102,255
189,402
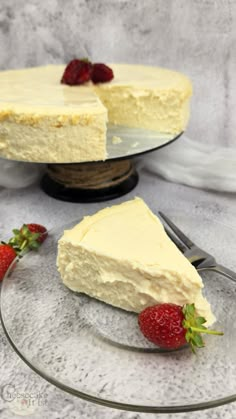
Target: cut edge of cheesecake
x,y
121,255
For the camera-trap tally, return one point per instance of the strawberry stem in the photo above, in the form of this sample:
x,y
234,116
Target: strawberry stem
x,y
25,242
209,332
194,327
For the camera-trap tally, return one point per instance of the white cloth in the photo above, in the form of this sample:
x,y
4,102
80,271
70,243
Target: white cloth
x,y
184,161
195,164
18,174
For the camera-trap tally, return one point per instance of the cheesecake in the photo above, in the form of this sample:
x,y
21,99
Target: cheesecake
x,y
122,256
42,120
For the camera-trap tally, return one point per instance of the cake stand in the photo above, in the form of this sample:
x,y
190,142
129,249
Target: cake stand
x,y
104,180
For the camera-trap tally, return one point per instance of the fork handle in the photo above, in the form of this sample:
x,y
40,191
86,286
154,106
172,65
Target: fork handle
x,y
222,270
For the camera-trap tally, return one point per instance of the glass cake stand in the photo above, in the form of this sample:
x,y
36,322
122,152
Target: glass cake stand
x,y
109,179
104,180
96,352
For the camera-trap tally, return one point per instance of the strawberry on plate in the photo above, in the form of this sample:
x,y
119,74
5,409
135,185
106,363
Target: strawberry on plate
x,y
39,229
7,255
171,326
29,237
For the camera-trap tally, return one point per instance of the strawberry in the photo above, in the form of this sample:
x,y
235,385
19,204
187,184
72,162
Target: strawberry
x,y
38,228
101,73
7,255
171,326
29,237
77,72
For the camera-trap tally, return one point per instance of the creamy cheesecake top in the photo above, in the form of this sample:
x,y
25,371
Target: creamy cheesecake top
x,y
148,77
38,90
131,231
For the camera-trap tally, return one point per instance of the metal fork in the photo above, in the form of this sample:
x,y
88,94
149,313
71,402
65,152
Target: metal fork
x,y
198,257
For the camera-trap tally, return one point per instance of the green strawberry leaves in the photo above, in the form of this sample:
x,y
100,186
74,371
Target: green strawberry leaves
x,y
24,240
195,327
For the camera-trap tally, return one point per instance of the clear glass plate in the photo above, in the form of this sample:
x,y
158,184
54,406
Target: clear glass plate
x,y
96,352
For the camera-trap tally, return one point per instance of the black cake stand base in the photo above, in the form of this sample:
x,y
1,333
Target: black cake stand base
x,y
90,182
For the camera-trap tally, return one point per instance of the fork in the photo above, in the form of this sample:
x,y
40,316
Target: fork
x,y
198,257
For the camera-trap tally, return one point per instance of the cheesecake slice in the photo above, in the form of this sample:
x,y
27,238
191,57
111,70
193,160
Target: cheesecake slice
x,y
122,256
42,120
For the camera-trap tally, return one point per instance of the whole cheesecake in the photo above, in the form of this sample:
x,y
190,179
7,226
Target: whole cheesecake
x,y
122,256
42,120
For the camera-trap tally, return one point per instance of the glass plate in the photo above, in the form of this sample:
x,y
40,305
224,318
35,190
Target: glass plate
x,y
96,352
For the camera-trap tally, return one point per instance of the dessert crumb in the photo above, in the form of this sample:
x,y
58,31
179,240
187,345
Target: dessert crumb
x,y
116,140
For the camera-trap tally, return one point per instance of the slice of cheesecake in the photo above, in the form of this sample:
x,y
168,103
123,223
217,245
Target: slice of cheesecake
x,y
42,120
122,256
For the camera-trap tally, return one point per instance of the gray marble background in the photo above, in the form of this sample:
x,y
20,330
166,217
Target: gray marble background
x,y
197,37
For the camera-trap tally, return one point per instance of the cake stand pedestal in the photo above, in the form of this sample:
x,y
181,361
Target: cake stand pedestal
x,y
90,182
104,180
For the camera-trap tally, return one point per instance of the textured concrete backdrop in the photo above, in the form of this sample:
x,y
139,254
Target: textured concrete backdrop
x,y
197,37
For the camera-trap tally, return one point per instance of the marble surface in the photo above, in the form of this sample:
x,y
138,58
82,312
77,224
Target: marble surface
x,y
18,206
196,37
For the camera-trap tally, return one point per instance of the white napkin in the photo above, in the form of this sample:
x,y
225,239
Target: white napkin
x,y
18,174
195,164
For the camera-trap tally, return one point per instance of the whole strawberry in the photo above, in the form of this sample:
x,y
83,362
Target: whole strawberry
x,y
7,255
29,237
171,326
39,229
77,72
101,73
